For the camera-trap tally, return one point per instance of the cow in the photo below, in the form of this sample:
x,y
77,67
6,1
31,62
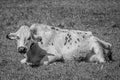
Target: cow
x,y
60,44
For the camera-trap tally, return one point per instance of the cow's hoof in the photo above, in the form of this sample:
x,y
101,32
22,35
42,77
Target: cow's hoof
x,y
29,64
23,61
45,63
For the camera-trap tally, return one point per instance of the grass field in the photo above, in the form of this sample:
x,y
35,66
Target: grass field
x,y
102,17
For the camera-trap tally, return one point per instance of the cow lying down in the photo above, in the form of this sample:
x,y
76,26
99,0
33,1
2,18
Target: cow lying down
x,y
57,44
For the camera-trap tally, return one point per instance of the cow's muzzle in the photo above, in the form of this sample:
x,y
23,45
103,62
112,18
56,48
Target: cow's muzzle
x,y
22,50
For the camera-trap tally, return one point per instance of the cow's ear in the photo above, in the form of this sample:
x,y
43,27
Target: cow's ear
x,y
29,38
11,36
32,45
39,39
36,38
32,36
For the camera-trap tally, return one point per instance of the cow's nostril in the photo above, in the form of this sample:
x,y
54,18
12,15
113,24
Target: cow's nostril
x,y
22,50
7,36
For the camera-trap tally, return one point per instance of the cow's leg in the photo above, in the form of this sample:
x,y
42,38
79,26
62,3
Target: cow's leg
x,y
23,61
99,54
53,56
50,60
107,49
97,58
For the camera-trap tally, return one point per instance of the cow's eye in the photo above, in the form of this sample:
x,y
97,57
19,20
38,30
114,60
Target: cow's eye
x,y
18,37
29,38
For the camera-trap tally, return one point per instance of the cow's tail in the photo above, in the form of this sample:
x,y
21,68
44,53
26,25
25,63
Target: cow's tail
x,y
105,44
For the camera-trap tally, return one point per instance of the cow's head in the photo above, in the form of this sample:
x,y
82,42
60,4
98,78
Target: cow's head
x,y
22,36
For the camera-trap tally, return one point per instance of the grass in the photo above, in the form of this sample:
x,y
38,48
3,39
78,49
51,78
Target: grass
x,y
102,17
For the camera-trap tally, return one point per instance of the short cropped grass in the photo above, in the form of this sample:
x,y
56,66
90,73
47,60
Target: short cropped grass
x,y
102,17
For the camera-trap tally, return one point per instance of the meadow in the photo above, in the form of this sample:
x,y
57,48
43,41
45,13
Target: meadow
x,y
102,17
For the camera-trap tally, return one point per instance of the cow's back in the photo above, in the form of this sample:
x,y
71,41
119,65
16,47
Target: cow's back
x,y
71,44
